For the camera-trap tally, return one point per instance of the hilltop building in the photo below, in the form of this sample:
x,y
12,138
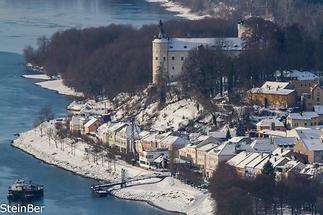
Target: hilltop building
x,y
274,94
169,54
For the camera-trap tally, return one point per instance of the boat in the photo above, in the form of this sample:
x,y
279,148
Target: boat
x,y
99,192
25,191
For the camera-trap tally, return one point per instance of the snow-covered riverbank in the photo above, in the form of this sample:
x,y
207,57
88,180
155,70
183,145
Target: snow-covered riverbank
x,y
59,87
179,9
170,194
56,85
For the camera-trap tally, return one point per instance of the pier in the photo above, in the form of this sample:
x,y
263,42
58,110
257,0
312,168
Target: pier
x,y
102,190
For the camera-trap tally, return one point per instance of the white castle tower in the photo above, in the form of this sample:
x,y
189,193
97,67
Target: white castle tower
x,y
160,55
169,54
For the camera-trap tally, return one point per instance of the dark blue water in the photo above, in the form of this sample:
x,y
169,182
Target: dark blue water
x,y
65,192
21,23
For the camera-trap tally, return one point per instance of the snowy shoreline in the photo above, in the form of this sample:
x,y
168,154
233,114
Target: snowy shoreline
x,y
181,11
169,194
56,85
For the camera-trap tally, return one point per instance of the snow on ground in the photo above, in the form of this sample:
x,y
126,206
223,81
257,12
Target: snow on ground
x,y
37,76
59,87
179,9
176,115
169,194
32,142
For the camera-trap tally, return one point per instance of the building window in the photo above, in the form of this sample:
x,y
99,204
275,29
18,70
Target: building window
x,y
185,47
173,58
156,58
173,68
317,99
182,58
305,124
164,58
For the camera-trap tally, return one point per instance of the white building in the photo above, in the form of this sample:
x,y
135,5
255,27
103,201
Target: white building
x,y
169,54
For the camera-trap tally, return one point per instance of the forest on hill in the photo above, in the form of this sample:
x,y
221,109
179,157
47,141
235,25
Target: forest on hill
x,y
269,48
113,59
117,58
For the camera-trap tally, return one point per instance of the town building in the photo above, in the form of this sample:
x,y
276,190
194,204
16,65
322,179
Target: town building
x,y
76,124
169,54
273,94
303,119
92,125
216,155
154,158
309,143
319,110
189,152
314,97
301,81
126,136
270,124
201,153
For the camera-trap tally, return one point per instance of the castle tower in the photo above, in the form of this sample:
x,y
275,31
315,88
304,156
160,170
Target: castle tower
x,y
160,55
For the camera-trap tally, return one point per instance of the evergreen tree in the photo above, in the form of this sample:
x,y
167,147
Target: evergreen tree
x,y
268,169
240,129
228,135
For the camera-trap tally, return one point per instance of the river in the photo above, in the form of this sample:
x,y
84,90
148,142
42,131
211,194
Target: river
x,y
21,23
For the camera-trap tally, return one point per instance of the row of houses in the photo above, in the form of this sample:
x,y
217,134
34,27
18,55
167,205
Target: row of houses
x,y
251,164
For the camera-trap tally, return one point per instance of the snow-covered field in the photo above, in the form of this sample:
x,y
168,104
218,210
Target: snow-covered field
x,y
59,87
37,77
169,194
179,9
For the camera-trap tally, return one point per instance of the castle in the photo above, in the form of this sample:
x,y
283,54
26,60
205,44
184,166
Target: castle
x,y
169,54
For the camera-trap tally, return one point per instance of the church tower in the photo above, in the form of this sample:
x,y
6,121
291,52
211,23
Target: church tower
x,y
160,56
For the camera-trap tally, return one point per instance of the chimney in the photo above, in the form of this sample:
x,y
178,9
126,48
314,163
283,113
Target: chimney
x,y
272,126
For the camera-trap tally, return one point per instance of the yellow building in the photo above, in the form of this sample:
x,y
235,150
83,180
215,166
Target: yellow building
x,y
308,142
315,97
303,119
274,94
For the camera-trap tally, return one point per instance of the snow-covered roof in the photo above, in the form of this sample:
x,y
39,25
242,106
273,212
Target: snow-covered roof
x,y
257,160
248,160
281,152
90,122
186,44
273,133
207,147
226,148
300,75
263,145
271,87
174,140
303,116
274,160
116,126
318,109
269,121
284,141
238,158
238,139
311,138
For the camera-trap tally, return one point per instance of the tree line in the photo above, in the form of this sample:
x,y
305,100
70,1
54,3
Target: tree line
x,y
268,48
263,194
112,59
